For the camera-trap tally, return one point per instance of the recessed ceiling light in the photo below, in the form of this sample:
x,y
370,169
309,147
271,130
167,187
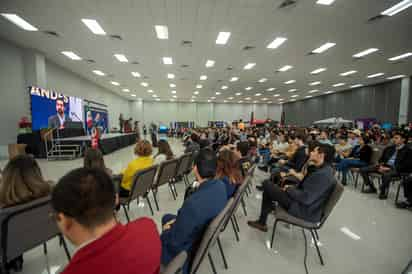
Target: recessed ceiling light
x,y
121,57
213,98
196,92
255,102
356,86
293,100
115,83
270,89
125,90
315,83
329,92
94,26
222,38
285,68
238,94
230,98
339,84
224,101
290,82
317,71
397,8
224,87
133,95
240,102
258,94
209,101
249,66
276,95
199,86
234,79
313,91
150,91
402,56
162,32
71,55
276,43
170,76
348,73
203,77
20,22
248,98
292,90
157,99
364,53
173,91
210,63
99,72
174,96
376,75
396,77
154,96
218,93
144,84
248,88
262,80
294,96
281,99
136,74
325,2
192,100
264,99
308,96
324,47
172,85
167,60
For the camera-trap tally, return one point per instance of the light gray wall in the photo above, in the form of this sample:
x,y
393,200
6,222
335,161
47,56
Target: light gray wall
x,y
377,101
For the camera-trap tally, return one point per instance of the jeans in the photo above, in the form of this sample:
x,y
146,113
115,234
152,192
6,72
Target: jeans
x,y
345,164
272,193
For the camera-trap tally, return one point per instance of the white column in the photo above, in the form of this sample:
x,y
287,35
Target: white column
x,y
404,101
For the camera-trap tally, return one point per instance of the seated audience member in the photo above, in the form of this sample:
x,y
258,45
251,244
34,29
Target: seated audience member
x,y
353,137
298,158
192,145
343,148
143,151
280,145
93,158
181,232
245,162
306,200
360,157
228,170
164,152
83,202
395,159
21,182
324,138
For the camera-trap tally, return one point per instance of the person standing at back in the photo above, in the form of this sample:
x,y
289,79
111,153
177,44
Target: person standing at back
x,y
83,202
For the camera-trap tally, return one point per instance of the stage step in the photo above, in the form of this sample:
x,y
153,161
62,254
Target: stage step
x,y
64,152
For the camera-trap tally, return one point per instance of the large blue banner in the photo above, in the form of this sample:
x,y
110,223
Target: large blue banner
x,y
50,109
95,117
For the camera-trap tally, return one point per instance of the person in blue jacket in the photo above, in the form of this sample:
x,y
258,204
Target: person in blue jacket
x,y
181,231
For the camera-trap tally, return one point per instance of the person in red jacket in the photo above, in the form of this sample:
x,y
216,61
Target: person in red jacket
x,y
83,201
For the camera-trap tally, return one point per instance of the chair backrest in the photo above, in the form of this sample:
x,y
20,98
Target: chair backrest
x,y
332,201
251,171
26,226
167,171
376,154
210,236
189,166
176,265
142,181
184,161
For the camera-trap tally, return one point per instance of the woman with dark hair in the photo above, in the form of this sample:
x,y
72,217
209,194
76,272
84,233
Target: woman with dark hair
x,y
164,153
21,182
360,157
229,170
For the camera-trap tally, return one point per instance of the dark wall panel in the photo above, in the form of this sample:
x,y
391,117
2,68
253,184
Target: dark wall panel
x,y
379,101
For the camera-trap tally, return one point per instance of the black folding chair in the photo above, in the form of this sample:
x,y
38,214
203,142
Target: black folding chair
x,y
181,171
165,175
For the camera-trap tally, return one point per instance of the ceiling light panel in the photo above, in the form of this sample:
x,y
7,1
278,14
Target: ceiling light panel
x,y
94,26
224,87
315,83
396,77
121,58
170,76
317,71
325,2
144,84
210,63
324,47
339,84
270,89
222,38
99,72
356,86
71,55
276,43
162,32
167,60
365,52
249,66
397,8
199,86
262,80
402,56
136,74
203,77
376,75
20,22
285,68
234,79
348,73
115,83
290,82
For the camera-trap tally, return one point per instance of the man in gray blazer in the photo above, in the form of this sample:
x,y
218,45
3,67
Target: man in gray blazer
x,y
306,200
58,120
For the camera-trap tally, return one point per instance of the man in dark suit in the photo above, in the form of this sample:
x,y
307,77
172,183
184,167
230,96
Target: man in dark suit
x,y
58,120
395,160
304,201
181,232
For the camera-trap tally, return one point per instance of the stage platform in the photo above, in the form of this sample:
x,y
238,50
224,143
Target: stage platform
x,y
108,142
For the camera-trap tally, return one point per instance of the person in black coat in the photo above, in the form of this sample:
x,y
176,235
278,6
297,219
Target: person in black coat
x,y
305,200
297,160
395,160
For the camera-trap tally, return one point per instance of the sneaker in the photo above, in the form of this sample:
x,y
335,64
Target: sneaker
x,y
369,190
404,205
258,226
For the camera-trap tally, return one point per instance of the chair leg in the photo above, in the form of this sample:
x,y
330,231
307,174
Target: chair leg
x,y
356,181
155,199
235,229
317,247
273,233
172,191
316,234
397,192
243,206
236,223
150,204
222,253
125,212
66,250
45,248
211,263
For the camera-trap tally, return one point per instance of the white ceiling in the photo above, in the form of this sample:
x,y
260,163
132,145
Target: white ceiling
x,y
252,23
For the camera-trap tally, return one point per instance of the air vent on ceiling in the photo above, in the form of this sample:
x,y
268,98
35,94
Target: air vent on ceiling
x,y
184,66
187,43
115,37
287,3
135,63
145,77
229,68
376,18
248,48
51,33
90,61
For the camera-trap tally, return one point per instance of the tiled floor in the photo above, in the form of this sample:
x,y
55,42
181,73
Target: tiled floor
x,y
378,240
